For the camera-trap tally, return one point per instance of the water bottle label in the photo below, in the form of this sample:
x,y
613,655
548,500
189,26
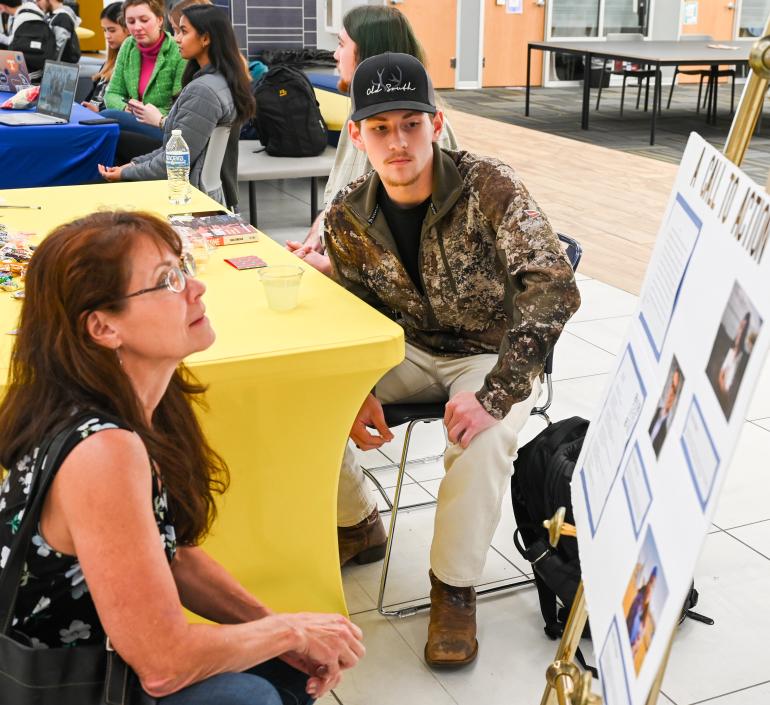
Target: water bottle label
x,y
179,160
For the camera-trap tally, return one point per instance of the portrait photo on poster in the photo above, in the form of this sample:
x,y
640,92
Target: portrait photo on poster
x,y
666,406
643,602
734,342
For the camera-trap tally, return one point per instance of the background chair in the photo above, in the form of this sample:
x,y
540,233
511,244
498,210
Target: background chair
x,y
641,74
411,414
211,179
703,74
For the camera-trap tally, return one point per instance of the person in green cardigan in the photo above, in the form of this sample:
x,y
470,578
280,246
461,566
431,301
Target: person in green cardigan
x,y
148,71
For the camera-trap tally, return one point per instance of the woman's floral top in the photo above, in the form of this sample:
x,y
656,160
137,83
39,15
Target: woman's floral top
x,y
54,607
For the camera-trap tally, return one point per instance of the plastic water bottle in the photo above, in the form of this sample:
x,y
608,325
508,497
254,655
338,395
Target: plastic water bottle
x,y
178,169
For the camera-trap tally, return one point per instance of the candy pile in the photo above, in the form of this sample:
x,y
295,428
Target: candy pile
x,y
15,253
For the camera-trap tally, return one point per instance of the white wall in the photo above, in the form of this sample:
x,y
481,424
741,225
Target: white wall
x,y
328,40
665,19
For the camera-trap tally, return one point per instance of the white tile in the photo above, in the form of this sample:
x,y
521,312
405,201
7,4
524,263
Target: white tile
x,y
513,652
755,535
577,397
574,357
427,439
606,333
390,673
411,493
745,497
733,582
356,598
759,408
370,459
426,471
763,423
601,300
755,695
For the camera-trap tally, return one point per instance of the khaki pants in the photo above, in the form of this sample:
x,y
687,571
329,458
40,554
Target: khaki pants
x,y
476,479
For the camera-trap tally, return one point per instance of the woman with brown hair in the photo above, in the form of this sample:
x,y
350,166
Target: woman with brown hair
x,y
115,33
111,310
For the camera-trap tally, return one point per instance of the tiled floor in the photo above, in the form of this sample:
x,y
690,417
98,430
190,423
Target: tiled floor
x,y
724,664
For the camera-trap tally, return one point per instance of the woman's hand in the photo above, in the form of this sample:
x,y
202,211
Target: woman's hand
x,y
111,173
90,106
145,113
330,643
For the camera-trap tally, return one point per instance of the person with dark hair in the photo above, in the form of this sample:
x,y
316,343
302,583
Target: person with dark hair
x,y
148,74
216,92
111,310
115,33
20,11
735,360
366,31
63,21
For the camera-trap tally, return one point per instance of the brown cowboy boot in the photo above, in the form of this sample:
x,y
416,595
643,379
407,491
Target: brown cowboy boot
x,y
364,542
452,630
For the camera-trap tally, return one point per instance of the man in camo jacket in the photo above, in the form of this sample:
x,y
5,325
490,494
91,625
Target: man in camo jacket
x,y
451,246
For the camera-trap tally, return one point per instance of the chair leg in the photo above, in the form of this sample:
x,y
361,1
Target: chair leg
x,y
601,83
646,92
671,91
253,203
732,97
392,527
622,95
700,91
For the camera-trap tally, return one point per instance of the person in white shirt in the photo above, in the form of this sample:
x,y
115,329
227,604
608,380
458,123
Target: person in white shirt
x,y
20,12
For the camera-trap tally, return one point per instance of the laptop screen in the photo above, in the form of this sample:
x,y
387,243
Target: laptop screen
x,y
13,71
57,89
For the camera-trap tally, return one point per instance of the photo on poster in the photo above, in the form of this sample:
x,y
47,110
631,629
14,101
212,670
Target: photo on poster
x,y
636,486
612,669
645,597
700,453
666,407
610,437
732,348
678,238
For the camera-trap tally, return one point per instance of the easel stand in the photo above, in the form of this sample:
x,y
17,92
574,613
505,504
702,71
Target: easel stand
x,y
565,684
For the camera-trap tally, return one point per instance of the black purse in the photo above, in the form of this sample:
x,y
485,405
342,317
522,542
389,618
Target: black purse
x,y
80,675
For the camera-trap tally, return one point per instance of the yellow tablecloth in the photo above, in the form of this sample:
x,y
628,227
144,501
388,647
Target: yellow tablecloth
x,y
283,391
334,108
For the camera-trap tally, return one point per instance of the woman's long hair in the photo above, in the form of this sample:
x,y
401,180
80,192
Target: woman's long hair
x,y
223,55
114,13
376,29
56,366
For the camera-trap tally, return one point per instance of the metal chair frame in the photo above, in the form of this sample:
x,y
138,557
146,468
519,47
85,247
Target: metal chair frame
x,y
574,253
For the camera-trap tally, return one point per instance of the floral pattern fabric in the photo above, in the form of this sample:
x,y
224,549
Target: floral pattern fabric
x,y
54,607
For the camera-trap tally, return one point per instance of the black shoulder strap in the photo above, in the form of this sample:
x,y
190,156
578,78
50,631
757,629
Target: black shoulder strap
x,y
43,470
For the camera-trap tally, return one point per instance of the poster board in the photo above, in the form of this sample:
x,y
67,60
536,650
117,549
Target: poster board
x,y
654,459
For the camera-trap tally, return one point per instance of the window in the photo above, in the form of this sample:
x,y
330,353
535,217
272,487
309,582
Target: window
x,y
753,17
625,17
597,18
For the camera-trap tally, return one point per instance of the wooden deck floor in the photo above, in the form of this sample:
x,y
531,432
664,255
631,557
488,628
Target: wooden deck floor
x,y
611,201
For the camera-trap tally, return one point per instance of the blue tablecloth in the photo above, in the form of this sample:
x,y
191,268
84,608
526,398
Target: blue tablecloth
x,y
327,81
55,155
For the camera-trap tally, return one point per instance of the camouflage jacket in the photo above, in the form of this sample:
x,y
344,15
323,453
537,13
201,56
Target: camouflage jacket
x,y
495,277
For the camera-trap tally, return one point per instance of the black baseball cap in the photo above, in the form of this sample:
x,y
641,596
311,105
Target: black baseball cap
x,y
391,81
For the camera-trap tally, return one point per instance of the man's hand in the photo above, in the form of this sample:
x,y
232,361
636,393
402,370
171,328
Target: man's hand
x,y
111,173
370,415
309,255
465,418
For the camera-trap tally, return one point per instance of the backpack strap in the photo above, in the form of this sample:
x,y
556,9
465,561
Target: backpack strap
x,y
43,470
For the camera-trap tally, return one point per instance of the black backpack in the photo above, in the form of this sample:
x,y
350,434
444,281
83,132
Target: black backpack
x,y
36,40
539,486
288,121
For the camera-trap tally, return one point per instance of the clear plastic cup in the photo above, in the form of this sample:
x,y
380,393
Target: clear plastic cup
x,y
281,284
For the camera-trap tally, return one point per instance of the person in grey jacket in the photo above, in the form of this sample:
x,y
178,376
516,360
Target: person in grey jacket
x,y
215,92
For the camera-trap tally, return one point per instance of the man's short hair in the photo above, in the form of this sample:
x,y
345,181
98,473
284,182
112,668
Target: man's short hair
x,y
11,3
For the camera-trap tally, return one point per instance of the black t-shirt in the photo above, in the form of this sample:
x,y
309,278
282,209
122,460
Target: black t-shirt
x,y
406,226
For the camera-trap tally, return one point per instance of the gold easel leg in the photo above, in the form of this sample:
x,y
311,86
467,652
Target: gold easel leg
x,y
573,630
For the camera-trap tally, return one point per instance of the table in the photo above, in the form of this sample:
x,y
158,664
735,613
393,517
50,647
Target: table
x,y
55,155
655,54
283,391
